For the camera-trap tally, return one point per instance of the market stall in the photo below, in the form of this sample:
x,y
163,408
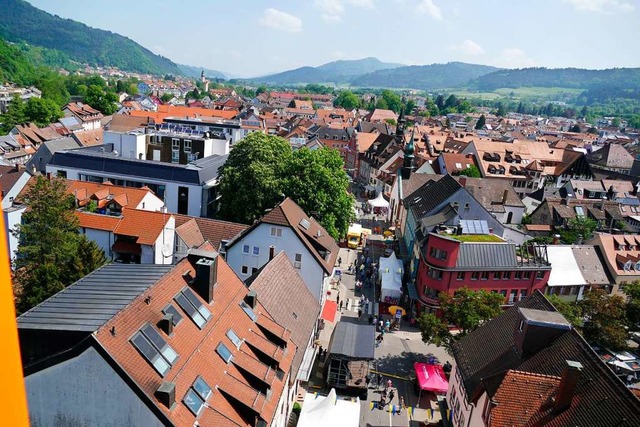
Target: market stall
x,y
430,377
390,274
350,350
320,411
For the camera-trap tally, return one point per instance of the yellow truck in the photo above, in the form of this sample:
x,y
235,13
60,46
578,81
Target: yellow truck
x,y
356,235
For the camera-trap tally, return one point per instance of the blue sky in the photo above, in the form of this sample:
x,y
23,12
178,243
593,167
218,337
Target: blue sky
x,y
257,37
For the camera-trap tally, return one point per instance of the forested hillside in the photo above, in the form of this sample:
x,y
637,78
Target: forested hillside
x,y
21,22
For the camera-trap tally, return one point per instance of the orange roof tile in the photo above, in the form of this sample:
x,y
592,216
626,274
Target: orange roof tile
x,y
144,225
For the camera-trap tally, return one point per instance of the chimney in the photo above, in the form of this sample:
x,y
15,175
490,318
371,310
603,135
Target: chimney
x,y
556,239
206,277
567,387
166,324
463,181
505,194
166,394
537,329
251,299
272,252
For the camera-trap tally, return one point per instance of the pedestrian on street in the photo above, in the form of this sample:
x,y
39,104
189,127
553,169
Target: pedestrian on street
x,y
338,298
401,405
382,401
392,394
370,319
380,325
389,384
367,379
341,306
359,313
339,261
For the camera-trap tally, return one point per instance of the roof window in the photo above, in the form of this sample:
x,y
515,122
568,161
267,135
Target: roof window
x,y
247,309
234,338
155,349
194,308
224,352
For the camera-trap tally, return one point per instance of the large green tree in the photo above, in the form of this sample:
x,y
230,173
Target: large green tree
x,y
481,122
102,100
315,180
261,170
632,291
251,177
42,111
15,114
52,253
347,100
604,319
466,310
578,227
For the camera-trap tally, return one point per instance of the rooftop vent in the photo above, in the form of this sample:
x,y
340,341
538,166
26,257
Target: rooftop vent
x,y
251,299
166,324
166,394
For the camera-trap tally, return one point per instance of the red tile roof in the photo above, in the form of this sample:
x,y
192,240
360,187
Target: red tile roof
x,y
213,230
146,226
521,398
196,351
83,190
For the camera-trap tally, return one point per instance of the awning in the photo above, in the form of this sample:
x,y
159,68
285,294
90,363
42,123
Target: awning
x,y
329,311
321,411
353,340
379,202
431,377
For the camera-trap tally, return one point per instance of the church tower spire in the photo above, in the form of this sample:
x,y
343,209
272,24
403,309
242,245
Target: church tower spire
x,y
407,163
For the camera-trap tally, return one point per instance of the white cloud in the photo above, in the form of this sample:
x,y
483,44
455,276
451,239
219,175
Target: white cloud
x,y
365,4
469,47
278,20
332,10
431,9
602,6
514,58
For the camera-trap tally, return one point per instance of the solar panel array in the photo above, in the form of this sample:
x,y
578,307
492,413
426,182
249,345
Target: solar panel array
x,y
474,226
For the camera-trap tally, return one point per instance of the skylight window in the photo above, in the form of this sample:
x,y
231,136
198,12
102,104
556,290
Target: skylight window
x,y
193,402
155,349
202,388
194,308
248,310
177,317
224,352
234,338
579,211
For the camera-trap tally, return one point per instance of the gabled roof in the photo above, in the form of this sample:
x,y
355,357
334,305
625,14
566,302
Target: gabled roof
x,y
190,234
283,293
213,230
9,175
611,156
490,352
84,190
145,225
491,192
235,400
126,123
432,194
91,301
314,237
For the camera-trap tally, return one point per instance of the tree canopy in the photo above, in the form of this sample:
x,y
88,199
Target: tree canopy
x,y
481,122
262,170
52,253
347,100
467,310
102,100
604,319
472,172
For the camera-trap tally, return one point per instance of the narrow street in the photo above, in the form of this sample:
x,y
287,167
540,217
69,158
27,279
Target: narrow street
x,y
395,356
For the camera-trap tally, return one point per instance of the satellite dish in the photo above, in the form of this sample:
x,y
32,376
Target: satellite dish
x,y
166,250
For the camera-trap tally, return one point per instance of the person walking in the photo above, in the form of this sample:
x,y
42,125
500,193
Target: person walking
x,y
339,261
379,380
401,405
340,306
367,379
389,384
359,313
392,394
338,299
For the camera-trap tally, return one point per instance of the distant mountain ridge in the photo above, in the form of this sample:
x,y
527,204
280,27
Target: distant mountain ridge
x,y
425,77
577,78
22,22
342,71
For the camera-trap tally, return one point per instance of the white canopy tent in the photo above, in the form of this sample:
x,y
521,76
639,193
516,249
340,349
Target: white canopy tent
x,y
321,411
379,202
390,273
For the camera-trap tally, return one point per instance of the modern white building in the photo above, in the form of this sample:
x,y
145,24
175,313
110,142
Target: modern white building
x,y
189,189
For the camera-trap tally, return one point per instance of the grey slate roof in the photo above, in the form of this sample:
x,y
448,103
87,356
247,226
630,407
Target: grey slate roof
x,y
197,173
486,255
352,340
600,399
431,195
90,302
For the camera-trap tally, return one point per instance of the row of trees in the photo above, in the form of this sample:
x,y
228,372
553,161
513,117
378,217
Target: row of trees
x,y
262,170
38,110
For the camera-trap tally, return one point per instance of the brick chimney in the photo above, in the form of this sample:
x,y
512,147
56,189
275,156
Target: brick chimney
x,y
505,194
567,387
206,275
463,181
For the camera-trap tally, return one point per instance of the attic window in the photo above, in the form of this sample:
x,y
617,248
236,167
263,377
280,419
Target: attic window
x,y
155,349
224,352
304,223
579,211
177,317
194,308
248,310
234,338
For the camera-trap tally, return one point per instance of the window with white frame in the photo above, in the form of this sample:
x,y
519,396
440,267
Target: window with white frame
x,y
175,143
297,263
245,249
187,145
175,156
256,250
276,232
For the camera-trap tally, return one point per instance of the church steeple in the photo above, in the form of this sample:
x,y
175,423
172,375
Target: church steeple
x,y
407,164
400,126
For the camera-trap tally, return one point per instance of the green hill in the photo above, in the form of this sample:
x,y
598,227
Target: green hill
x,y
424,77
342,71
14,65
21,22
191,71
575,78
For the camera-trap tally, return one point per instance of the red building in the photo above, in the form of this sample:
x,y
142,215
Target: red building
x,y
479,261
